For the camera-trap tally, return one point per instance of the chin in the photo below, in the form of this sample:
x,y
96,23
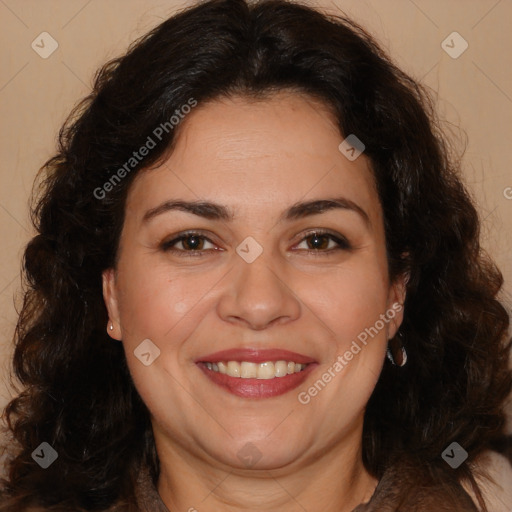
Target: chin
x,y
258,455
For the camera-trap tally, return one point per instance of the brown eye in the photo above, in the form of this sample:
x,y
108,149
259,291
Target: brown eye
x,y
190,243
193,242
319,241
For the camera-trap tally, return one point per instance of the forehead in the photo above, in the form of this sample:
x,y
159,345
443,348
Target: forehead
x,y
246,152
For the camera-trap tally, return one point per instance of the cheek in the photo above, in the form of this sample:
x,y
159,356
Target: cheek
x,y
166,309
350,299
147,302
150,297
351,306
157,303
164,306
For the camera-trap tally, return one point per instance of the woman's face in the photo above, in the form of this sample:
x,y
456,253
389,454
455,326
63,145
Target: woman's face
x,y
260,280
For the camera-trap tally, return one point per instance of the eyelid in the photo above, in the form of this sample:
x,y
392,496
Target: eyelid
x,y
341,241
166,245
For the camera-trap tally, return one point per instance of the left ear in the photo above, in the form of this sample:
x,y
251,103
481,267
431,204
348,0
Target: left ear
x,y
396,300
111,301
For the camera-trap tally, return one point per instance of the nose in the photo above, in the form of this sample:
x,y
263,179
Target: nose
x,y
258,295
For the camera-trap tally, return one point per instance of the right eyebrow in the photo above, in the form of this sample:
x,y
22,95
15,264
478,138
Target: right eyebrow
x,y
206,209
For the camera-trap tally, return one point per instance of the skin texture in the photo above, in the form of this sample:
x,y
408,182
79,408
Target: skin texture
x,y
257,158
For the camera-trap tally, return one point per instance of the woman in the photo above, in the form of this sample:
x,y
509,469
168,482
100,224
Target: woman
x,y
252,210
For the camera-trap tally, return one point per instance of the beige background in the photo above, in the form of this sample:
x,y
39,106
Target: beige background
x,y
474,92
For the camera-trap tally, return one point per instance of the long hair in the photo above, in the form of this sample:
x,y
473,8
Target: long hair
x,y
77,392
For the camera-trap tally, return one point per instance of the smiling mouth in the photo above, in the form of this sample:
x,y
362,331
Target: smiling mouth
x,y
239,378
261,371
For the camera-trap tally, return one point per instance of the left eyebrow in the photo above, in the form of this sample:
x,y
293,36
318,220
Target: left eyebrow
x,y
214,211
318,206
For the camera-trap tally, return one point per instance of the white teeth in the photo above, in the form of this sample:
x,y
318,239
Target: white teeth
x,y
266,370
234,369
250,370
281,368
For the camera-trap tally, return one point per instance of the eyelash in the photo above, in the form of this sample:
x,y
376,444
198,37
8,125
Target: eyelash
x,y
342,242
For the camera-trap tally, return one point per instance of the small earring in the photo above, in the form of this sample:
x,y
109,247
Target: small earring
x,y
111,327
396,352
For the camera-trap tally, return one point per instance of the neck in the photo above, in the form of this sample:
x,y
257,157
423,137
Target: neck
x,y
335,481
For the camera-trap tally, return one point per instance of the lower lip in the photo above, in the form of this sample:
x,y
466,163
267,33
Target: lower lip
x,y
258,388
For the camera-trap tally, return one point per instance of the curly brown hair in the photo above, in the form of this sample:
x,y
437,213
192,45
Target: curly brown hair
x,y
78,394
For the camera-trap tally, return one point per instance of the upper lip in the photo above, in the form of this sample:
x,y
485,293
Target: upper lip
x,y
255,356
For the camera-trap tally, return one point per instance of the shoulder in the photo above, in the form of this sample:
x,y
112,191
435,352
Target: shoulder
x,y
414,487
494,477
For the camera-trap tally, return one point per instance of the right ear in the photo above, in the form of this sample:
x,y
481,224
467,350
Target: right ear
x,y
111,302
